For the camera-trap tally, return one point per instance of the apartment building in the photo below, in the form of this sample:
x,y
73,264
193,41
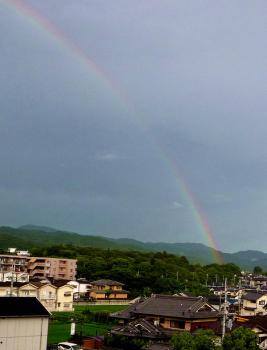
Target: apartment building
x,y
62,269
13,267
36,267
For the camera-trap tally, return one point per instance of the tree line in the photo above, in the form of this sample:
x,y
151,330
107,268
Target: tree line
x,y
144,273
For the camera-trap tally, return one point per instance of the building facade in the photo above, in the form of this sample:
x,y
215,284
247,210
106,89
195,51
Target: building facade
x,y
37,267
57,268
107,289
23,324
166,315
54,297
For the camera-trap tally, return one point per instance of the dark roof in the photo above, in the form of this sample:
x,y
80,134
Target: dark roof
x,y
140,328
21,306
124,314
252,296
15,284
106,282
259,321
172,306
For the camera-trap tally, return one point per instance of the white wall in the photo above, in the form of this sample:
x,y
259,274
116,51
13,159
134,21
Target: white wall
x,y
23,333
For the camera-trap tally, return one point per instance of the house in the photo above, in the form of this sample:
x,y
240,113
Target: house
x,y
167,314
253,303
64,296
23,324
81,288
54,297
257,324
107,289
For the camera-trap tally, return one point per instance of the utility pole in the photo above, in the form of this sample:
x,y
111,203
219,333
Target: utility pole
x,y
11,285
224,308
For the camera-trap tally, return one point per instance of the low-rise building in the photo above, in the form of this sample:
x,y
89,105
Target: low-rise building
x,y
166,315
107,289
254,303
81,288
23,324
54,297
64,297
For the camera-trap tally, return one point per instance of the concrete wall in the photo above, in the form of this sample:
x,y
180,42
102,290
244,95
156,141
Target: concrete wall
x,y
23,333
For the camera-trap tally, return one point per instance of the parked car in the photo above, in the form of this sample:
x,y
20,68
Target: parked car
x,y
68,346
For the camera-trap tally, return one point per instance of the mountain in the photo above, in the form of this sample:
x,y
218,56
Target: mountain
x,y
37,228
30,236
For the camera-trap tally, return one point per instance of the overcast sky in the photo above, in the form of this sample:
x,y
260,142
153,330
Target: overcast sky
x,y
179,97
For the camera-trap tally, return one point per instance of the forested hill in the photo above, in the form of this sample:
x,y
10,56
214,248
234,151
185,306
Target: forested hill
x,y
28,237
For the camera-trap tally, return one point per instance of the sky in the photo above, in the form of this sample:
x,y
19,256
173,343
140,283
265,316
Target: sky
x,y
138,119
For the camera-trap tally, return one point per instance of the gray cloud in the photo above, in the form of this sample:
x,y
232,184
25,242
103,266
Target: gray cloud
x,y
194,77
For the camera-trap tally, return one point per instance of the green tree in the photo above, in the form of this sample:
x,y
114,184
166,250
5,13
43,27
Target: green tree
x,y
205,340
183,341
241,339
257,270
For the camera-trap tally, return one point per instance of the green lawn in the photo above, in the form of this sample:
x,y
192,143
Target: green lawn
x,y
100,308
60,331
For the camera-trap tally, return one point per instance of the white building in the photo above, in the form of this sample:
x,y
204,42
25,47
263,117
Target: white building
x,y
81,288
23,324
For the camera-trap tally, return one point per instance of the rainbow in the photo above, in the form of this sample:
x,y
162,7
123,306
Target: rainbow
x,y
22,8
200,218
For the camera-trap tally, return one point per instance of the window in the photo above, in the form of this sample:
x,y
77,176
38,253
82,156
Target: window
x,y
262,302
67,294
177,324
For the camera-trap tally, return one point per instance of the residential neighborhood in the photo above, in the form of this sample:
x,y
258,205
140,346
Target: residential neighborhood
x,y
155,319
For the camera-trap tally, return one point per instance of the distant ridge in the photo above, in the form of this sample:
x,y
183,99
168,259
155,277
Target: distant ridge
x,y
37,228
30,236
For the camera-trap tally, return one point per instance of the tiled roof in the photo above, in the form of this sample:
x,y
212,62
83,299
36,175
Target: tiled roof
x,y
15,284
140,328
106,282
252,296
21,306
170,306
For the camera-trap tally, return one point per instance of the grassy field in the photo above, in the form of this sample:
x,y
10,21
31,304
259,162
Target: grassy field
x,y
60,331
100,308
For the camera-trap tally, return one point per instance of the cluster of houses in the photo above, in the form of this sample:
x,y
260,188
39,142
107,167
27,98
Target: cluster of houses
x,y
159,317
40,285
